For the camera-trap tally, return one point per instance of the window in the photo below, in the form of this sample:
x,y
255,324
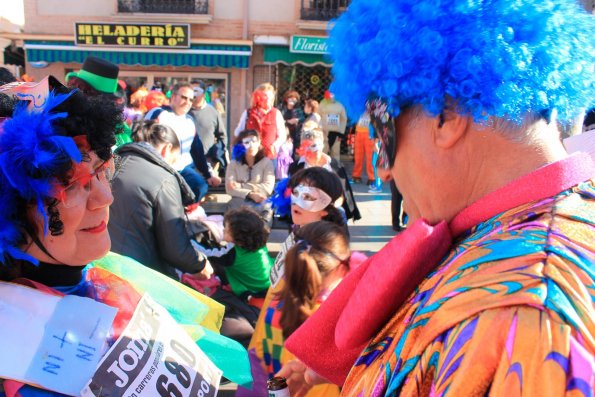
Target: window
x,y
164,6
323,10
309,81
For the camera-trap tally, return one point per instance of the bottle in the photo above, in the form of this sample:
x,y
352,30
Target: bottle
x,y
277,387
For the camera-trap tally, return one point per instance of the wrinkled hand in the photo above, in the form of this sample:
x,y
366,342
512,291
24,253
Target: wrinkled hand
x,y
214,181
206,273
300,379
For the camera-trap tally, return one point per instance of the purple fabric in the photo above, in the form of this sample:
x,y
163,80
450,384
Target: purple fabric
x,y
259,378
284,160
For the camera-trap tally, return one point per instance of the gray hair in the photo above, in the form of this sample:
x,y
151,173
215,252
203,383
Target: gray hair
x,y
533,127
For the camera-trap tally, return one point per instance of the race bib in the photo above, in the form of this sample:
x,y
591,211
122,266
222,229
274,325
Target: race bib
x,y
154,357
332,120
364,121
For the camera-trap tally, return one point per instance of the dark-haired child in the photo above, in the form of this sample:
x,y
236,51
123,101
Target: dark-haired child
x,y
247,265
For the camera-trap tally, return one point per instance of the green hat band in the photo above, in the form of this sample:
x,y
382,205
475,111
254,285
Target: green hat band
x,y
103,84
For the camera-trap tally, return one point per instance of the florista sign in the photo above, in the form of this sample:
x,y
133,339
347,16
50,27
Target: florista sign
x,y
308,44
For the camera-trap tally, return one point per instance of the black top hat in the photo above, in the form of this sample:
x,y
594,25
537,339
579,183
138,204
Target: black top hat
x,y
99,74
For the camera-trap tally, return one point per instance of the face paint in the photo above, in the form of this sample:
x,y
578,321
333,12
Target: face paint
x,y
315,146
310,198
312,140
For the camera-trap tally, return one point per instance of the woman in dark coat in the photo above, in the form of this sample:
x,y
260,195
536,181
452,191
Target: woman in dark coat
x,y
148,222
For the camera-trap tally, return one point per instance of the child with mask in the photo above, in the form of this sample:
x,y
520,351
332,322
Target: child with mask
x,y
312,155
311,149
314,194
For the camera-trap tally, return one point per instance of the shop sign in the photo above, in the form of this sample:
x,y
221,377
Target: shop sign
x,y
308,44
132,34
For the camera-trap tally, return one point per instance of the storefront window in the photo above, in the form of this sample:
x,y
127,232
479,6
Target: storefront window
x,y
309,81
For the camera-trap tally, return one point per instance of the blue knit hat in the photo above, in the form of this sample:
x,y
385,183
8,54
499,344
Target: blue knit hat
x,y
503,58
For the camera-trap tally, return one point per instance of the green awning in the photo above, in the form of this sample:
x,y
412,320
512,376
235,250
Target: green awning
x,y
279,54
225,56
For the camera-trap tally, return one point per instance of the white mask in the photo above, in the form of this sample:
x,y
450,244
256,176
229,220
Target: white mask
x,y
310,198
247,142
316,146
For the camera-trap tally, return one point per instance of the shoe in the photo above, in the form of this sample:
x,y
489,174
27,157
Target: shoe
x,y
357,180
371,182
375,189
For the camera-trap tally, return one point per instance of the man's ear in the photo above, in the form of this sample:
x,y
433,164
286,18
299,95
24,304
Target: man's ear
x,y
449,128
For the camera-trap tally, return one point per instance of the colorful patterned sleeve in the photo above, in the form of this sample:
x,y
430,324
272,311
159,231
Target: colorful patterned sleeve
x,y
515,351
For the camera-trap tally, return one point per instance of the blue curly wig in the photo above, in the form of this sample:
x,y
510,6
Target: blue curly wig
x,y
502,58
31,155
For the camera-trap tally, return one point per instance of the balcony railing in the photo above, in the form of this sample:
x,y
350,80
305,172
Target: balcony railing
x,y
323,10
164,6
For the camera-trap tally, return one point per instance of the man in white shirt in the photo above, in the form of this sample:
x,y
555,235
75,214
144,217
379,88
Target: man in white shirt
x,y
192,156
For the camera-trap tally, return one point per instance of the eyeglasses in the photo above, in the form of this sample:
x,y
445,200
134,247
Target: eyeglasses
x,y
384,127
77,191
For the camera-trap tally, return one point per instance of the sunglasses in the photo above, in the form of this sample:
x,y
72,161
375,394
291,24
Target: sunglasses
x,y
186,98
384,128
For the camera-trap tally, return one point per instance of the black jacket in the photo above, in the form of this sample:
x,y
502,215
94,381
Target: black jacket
x,y
147,220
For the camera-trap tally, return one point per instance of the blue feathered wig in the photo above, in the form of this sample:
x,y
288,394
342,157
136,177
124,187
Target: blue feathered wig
x,y
502,58
37,151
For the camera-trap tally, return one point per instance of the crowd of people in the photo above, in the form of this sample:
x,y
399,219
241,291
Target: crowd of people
x,y
487,289
130,179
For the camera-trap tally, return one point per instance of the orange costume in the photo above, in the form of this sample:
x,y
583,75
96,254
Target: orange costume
x,y
364,146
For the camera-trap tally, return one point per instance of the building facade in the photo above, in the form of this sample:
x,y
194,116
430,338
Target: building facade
x,y
230,45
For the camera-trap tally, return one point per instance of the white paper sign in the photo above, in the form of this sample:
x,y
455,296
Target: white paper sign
x,y
154,357
50,341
